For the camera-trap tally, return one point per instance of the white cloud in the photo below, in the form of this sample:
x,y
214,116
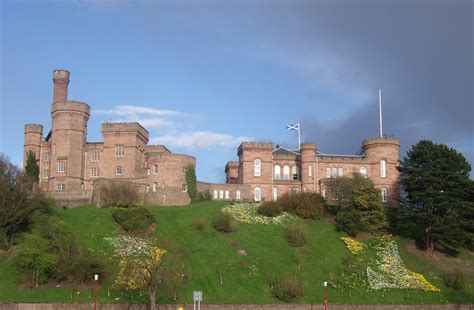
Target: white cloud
x,y
169,122
199,139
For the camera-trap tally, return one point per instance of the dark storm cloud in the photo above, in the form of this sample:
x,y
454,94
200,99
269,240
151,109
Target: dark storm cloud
x,y
419,52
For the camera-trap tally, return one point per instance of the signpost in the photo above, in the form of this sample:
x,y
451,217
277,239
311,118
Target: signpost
x,y
325,284
197,299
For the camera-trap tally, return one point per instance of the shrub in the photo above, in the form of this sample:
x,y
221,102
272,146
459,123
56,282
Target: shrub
x,y
309,205
224,223
270,208
203,196
133,219
119,194
199,224
288,288
455,280
288,203
348,220
296,234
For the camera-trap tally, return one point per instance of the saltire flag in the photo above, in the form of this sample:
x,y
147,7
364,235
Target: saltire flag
x,y
293,127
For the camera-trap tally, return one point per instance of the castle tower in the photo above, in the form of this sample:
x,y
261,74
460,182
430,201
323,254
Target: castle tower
x,y
69,130
308,167
381,154
32,140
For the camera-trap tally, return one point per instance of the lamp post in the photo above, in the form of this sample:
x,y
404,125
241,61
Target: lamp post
x,y
96,285
325,284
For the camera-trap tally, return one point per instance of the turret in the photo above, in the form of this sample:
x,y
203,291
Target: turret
x,y
308,166
68,138
32,141
381,154
61,82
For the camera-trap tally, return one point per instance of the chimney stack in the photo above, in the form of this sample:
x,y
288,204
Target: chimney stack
x,y
61,81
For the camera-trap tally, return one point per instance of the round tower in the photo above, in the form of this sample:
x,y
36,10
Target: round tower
x,y
61,82
68,138
32,141
308,162
381,154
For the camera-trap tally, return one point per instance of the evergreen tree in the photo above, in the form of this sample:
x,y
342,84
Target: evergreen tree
x,y
436,206
191,182
31,168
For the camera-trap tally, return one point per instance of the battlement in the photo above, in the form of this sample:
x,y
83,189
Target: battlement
x,y
61,75
70,106
34,128
124,127
381,141
256,145
306,146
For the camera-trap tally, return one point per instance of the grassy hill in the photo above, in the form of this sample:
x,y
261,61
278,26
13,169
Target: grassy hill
x,y
210,255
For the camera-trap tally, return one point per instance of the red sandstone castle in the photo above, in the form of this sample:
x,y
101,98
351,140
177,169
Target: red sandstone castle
x,y
72,169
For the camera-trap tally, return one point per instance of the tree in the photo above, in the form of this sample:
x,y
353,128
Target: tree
x,y
140,264
19,199
191,182
436,203
357,204
32,168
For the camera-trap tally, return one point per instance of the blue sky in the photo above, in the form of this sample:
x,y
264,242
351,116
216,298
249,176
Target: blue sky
x,y
202,76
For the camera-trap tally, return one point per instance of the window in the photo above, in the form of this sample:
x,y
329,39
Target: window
x,y
257,167
324,193
275,193
184,169
277,172
184,187
46,156
61,166
118,170
384,194
215,194
45,174
155,186
293,191
237,195
148,171
95,155
61,187
383,169
310,170
257,194
227,195
295,173
333,172
119,150
156,168
340,172
328,172
147,188
286,172
363,171
94,172
221,194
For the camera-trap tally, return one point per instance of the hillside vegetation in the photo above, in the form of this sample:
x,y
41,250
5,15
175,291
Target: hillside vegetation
x,y
236,267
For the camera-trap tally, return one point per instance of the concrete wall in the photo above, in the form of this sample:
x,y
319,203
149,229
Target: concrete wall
x,y
44,306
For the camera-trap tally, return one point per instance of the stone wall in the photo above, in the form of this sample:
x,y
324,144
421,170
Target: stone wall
x,y
71,198
45,306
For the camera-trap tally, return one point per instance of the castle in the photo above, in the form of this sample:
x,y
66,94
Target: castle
x,y
72,169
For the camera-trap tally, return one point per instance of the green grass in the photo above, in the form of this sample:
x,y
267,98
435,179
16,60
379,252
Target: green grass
x,y
209,254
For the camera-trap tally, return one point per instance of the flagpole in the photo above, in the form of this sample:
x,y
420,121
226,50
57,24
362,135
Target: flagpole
x,y
380,111
299,136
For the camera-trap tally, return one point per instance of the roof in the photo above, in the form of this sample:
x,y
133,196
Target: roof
x,y
284,152
318,153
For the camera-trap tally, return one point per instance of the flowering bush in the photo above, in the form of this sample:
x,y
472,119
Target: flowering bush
x,y
388,271
247,213
354,246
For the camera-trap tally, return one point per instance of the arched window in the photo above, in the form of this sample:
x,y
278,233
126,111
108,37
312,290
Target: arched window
x,y
227,195
277,172
221,194
257,194
257,167
286,172
310,170
333,172
237,195
384,194
295,172
328,172
215,194
383,169
340,172
275,193
363,171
